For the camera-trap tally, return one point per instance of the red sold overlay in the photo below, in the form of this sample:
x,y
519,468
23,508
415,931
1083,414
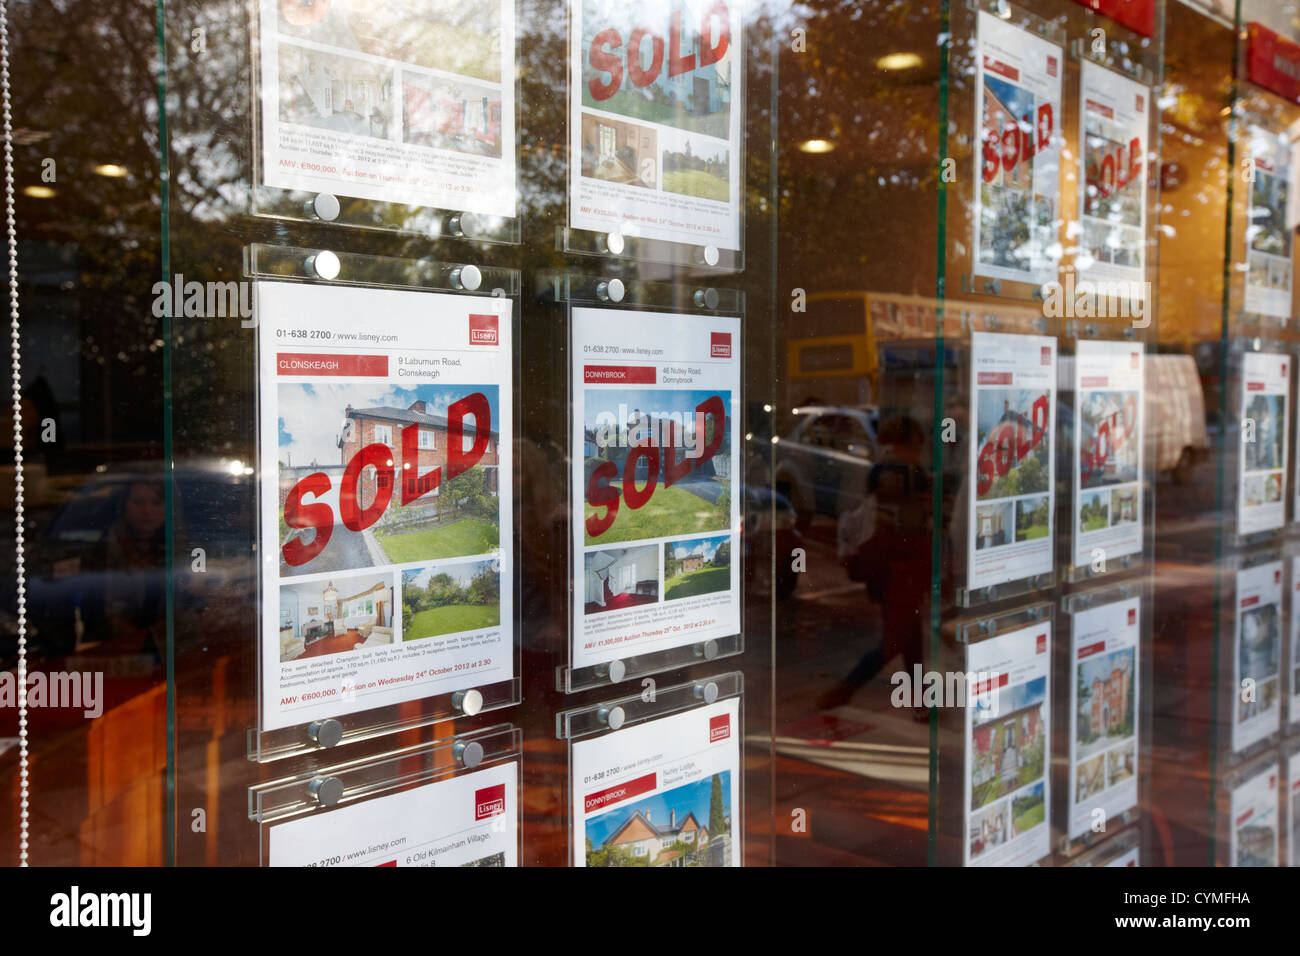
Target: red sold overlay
x,y
308,363
624,791
618,374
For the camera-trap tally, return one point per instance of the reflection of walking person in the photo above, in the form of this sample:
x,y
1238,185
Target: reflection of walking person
x,y
895,561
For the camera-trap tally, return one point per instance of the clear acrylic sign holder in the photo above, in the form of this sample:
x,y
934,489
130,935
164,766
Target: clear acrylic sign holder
x,y
1246,796
326,267
615,294
345,784
338,208
613,716
625,244
1230,708
1063,679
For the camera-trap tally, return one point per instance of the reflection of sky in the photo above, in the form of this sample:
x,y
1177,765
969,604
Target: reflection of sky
x,y
692,798
990,406
1017,99
1011,699
311,414
462,574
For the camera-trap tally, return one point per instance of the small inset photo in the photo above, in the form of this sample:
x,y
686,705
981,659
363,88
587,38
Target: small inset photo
x,y
696,566
335,615
619,152
1033,518
449,599
619,578
994,524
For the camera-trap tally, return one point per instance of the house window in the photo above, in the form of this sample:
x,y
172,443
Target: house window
x,y
607,140
427,439
384,434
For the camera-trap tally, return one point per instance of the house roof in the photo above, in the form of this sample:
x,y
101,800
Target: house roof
x,y
405,416
661,830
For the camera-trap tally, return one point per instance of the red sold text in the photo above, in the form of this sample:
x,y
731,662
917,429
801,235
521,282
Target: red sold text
x,y
608,51
1009,442
320,516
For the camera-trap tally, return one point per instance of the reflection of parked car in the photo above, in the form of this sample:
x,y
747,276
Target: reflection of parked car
x,y
80,585
822,465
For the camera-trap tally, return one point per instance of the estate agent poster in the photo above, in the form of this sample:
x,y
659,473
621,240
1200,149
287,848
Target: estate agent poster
x,y
1108,391
1103,712
1261,474
656,103
1017,167
1254,819
1013,397
467,820
1112,189
1008,749
405,101
656,412
1293,661
662,793
386,488
1257,640
1268,234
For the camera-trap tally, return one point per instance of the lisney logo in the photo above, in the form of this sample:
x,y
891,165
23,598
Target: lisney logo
x,y
490,802
720,345
483,329
719,728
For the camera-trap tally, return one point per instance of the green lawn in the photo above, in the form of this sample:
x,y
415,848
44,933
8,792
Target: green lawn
x,y
1033,531
470,536
1030,818
639,107
451,619
704,581
696,182
1095,522
670,511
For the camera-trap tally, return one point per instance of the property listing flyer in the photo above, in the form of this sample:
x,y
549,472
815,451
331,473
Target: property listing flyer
x,y
1261,474
1017,167
1108,391
662,793
1008,749
655,111
1293,660
1103,712
386,429
1293,808
1112,189
656,400
1257,639
1253,818
468,820
1268,235
405,101
1013,397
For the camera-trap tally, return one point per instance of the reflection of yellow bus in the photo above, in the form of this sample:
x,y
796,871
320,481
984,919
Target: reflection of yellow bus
x,y
836,354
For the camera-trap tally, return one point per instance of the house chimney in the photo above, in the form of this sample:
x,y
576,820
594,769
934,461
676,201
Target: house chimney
x,y
672,818
418,407
647,817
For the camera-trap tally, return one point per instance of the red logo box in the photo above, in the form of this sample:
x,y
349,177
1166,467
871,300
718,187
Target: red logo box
x,y
1040,644
719,728
483,330
1047,355
1132,616
490,801
720,345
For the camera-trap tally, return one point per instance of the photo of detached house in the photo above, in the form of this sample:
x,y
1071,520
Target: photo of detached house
x,y
1008,745
322,428
1104,688
450,598
334,616
697,566
688,826
674,446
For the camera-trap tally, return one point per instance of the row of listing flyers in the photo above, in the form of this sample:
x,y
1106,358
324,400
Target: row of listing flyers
x,y
1262,469
656,119
468,820
662,793
1256,648
386,520
405,101
1108,400
1013,396
1268,229
656,502
1008,747
1103,713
